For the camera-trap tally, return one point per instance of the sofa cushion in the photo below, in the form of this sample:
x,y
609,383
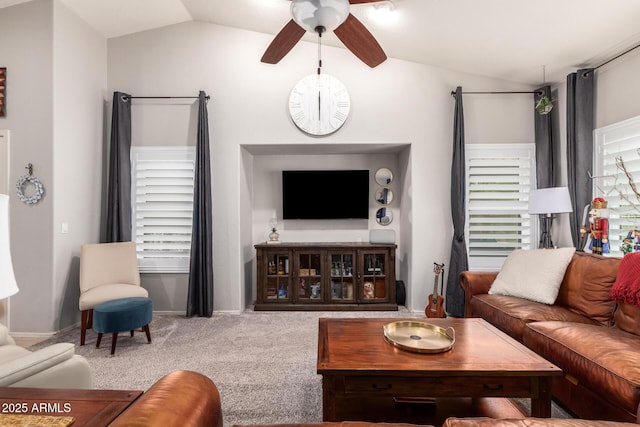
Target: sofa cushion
x,y
627,318
586,286
511,314
603,359
533,274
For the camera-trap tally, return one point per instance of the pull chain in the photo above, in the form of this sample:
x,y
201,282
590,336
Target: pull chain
x,y
320,29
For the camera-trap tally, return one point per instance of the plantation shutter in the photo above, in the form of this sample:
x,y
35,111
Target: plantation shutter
x,y
162,206
499,178
620,140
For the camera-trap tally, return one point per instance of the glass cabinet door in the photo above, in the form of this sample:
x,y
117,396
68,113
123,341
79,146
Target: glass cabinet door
x,y
278,283
342,277
309,275
373,283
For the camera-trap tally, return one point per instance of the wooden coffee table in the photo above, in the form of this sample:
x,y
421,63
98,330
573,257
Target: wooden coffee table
x,y
93,408
362,373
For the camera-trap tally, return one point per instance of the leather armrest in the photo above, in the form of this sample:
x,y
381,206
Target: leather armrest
x,y
528,422
475,283
181,398
35,362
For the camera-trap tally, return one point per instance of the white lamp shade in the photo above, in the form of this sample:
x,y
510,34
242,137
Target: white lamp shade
x,y
310,14
550,200
8,284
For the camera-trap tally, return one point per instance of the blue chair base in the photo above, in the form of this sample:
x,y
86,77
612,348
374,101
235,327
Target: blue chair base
x,y
120,315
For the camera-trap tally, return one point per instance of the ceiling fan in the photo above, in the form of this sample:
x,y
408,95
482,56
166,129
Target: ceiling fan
x,y
319,16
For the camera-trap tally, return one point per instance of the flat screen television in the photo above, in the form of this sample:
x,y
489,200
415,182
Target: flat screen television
x,y
325,194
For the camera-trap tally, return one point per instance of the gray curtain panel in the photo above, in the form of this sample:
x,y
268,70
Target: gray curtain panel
x,y
200,292
119,180
458,262
580,122
545,164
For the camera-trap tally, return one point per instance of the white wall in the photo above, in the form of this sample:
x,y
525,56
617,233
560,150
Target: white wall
x,y
55,85
29,117
79,87
397,103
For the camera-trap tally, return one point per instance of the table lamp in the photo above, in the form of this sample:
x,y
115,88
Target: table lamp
x,y
8,284
549,201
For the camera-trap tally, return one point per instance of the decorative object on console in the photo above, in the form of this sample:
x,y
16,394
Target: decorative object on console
x,y
8,285
273,236
382,236
368,290
319,16
549,201
534,274
35,182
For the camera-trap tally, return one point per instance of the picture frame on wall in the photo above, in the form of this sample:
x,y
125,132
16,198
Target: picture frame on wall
x,y
3,87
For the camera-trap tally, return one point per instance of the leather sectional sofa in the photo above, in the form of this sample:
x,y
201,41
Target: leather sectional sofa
x,y
189,399
593,339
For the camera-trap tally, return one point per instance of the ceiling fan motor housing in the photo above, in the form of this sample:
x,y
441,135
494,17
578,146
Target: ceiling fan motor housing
x,y
311,14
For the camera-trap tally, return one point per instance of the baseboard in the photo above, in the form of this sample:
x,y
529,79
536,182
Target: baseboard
x,y
182,312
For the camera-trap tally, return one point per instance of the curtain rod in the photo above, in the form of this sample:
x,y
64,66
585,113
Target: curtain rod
x,y
453,93
616,57
163,97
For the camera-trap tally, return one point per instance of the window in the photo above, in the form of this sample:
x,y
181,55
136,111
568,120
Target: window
x,y
162,206
620,140
499,178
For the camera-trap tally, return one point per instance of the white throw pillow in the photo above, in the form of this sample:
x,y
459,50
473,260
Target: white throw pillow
x,y
534,274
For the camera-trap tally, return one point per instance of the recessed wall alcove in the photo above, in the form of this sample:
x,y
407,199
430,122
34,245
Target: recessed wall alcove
x,y
261,198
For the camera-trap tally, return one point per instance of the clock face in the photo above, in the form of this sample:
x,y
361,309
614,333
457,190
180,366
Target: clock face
x,y
319,104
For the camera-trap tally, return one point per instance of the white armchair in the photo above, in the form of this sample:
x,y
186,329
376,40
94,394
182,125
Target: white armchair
x,y
108,271
55,366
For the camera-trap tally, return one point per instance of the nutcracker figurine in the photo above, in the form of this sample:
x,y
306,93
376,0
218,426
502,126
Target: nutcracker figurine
x,y
598,230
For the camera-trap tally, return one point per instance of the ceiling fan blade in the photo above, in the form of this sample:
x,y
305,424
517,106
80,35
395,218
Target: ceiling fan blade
x,y
363,1
360,41
284,41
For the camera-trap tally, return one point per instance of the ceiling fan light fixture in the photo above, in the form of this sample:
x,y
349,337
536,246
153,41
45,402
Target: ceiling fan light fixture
x,y
311,14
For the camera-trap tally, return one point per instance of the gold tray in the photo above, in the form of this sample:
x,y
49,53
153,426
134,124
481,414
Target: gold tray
x,y
419,337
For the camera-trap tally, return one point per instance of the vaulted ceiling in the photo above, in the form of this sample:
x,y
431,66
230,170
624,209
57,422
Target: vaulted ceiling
x,y
506,39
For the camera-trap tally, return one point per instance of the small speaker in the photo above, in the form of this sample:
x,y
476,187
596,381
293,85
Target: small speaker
x,y
401,293
382,236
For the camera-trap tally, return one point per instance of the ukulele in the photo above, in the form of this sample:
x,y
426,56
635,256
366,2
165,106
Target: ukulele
x,y
434,308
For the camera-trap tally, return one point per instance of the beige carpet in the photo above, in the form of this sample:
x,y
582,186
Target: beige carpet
x,y
263,363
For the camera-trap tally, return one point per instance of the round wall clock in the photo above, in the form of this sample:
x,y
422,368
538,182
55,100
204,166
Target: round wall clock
x,y
319,104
